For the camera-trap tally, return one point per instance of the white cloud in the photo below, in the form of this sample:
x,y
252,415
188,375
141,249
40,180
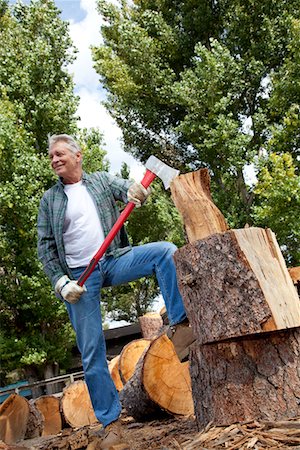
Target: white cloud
x,y
92,113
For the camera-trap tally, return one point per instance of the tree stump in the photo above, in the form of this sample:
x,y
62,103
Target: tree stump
x,y
160,384
76,405
236,284
255,378
49,407
129,357
113,367
151,324
192,197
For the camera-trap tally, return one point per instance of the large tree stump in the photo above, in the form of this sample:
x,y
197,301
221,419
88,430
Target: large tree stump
x,y
151,323
192,197
160,383
257,378
76,405
49,407
235,284
129,357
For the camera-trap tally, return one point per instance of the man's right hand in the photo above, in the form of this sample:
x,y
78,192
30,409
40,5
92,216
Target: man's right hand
x,y
69,289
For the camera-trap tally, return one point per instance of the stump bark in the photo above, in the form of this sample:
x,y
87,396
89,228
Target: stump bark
x,y
235,284
255,378
160,383
49,407
192,197
76,405
129,357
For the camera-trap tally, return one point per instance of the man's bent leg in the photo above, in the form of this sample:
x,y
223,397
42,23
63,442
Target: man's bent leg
x,y
86,320
148,259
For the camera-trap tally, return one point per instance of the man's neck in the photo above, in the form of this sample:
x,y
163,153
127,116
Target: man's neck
x,y
72,179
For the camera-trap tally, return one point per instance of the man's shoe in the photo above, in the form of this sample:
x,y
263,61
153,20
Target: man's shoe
x,y
112,436
181,336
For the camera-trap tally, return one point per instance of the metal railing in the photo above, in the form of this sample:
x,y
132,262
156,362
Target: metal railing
x,y
69,378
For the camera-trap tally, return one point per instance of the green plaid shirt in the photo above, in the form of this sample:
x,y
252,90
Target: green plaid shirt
x,y
105,190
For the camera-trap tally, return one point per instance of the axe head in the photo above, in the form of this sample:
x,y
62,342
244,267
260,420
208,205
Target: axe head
x,y
161,170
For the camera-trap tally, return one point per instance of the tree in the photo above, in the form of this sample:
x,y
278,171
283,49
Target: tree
x,y
36,98
192,83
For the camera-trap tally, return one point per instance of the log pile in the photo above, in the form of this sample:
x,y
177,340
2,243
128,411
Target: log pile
x,y
244,310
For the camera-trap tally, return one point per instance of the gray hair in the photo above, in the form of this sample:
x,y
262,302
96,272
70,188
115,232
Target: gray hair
x,y
70,142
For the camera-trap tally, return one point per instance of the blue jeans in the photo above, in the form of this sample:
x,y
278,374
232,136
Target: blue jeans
x,y
154,258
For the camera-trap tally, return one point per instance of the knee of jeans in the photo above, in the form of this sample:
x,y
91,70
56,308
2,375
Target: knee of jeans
x,y
169,248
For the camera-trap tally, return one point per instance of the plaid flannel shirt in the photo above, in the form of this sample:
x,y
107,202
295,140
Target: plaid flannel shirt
x,y
105,190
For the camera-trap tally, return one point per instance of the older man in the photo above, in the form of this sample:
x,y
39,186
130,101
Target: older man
x,y
75,215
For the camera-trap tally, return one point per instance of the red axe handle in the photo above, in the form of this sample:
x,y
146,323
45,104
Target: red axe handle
x,y
146,181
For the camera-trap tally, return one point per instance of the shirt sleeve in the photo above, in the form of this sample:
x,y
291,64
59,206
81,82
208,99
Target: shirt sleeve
x,y
47,249
119,187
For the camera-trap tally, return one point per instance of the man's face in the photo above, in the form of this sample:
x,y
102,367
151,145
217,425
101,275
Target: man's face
x,y
65,163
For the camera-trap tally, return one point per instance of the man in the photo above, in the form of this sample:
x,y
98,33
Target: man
x,y
75,215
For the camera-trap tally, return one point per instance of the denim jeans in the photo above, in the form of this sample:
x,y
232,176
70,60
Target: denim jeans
x,y
154,258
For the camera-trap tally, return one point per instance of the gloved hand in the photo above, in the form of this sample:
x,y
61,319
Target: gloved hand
x,y
137,194
69,289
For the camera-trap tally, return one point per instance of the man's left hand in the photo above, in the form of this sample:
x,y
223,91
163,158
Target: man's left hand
x,y
137,194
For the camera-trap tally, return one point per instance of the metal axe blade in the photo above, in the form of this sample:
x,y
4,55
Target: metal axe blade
x,y
161,170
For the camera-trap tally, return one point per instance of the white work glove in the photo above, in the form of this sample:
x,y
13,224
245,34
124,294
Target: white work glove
x,y
137,194
69,289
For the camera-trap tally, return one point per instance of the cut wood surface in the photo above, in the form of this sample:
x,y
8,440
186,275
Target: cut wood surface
x,y
129,357
192,197
76,405
257,378
14,416
160,383
113,367
49,406
151,324
294,274
235,284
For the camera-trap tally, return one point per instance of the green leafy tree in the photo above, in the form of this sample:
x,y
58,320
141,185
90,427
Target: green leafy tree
x,y
36,98
193,83
278,189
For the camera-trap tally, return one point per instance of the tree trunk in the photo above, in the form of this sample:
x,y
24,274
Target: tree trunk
x,y
129,357
235,284
255,378
51,371
160,383
192,198
76,405
113,367
49,407
151,324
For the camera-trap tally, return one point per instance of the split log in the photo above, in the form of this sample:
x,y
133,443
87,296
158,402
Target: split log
x,y
235,284
151,324
160,384
257,378
192,197
76,405
14,415
113,367
129,357
49,407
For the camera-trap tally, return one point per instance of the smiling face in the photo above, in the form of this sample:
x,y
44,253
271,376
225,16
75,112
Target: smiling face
x,y
65,163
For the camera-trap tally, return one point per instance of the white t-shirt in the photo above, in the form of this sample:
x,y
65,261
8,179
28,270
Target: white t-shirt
x,y
82,232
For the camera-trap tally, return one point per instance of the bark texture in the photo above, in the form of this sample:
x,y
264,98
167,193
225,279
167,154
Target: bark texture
x,y
250,379
151,324
235,284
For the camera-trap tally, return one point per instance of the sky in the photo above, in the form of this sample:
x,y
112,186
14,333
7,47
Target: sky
x,y
85,23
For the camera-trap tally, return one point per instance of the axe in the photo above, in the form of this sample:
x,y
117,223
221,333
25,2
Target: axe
x,y
155,168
